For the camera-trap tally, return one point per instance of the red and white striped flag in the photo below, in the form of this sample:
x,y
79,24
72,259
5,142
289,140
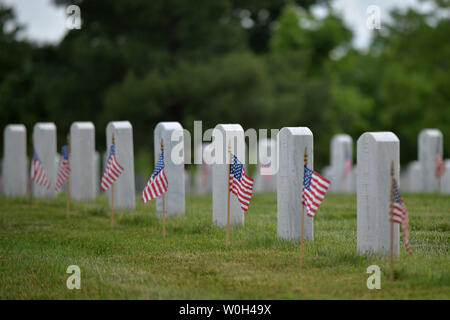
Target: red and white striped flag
x,y
157,184
64,168
314,189
439,166
113,170
38,172
240,184
400,215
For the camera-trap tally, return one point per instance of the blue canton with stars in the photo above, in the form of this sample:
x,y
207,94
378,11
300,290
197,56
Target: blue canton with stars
x,y
112,151
236,168
159,165
307,176
64,152
397,196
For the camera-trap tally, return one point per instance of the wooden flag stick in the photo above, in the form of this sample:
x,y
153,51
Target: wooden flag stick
x,y
163,200
112,193
392,223
303,215
68,180
228,184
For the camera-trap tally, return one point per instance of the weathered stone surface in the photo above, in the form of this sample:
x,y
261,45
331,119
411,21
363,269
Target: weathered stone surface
x,y
430,144
44,141
124,186
174,167
82,172
224,134
341,145
376,152
445,179
14,165
265,182
292,143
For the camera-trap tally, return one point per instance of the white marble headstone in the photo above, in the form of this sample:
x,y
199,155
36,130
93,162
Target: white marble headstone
x,y
376,152
14,166
265,182
292,143
44,141
413,178
82,171
341,147
224,134
430,144
124,187
174,167
445,179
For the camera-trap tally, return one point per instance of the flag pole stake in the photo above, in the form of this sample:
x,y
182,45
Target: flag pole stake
x,y
303,216
163,201
392,224
228,204
30,184
68,180
112,192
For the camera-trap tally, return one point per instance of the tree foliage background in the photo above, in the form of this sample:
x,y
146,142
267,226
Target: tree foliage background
x,y
260,63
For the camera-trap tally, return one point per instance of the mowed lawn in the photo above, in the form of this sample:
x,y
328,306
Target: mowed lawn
x,y
134,261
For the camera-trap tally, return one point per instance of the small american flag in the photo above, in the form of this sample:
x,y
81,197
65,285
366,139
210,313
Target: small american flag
x,y
157,184
314,189
240,184
439,166
64,168
38,172
400,215
348,164
113,170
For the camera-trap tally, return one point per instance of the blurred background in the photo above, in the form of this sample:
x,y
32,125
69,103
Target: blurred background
x,y
260,63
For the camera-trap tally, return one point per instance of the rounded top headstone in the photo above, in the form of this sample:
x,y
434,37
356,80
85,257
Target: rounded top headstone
x,y
431,132
380,136
169,125
300,131
342,137
15,128
45,126
82,125
120,124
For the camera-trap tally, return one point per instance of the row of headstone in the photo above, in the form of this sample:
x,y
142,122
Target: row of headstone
x,y
376,153
341,171
84,161
419,175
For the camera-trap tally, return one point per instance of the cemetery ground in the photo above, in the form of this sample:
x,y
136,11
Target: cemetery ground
x,y
134,261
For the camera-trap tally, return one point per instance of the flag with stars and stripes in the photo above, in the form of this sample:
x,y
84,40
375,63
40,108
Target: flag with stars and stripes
x,y
400,215
439,166
348,164
38,172
240,184
113,170
64,168
157,183
314,189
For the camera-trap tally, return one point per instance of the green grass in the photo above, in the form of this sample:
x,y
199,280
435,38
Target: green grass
x,y
134,261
